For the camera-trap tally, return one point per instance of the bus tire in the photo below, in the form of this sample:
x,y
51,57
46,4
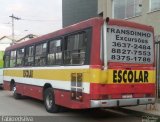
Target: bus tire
x,y
49,101
15,94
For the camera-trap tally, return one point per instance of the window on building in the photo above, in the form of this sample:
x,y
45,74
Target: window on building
x,y
20,57
55,52
29,56
126,8
75,48
7,59
13,59
154,5
40,54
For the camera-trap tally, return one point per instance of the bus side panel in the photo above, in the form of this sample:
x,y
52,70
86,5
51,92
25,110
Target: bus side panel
x,y
95,45
26,90
30,90
63,98
6,85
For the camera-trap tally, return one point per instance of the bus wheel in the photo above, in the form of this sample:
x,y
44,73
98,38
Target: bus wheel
x,y
15,94
49,101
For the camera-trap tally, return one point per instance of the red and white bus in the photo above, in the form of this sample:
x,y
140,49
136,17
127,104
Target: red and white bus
x,y
92,64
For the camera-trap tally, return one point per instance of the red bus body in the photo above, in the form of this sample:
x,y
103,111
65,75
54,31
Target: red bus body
x,y
100,94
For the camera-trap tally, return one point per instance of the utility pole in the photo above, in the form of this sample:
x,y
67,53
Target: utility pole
x,y
13,18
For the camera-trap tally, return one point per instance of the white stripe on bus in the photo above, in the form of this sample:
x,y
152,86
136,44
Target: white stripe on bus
x,y
64,85
50,67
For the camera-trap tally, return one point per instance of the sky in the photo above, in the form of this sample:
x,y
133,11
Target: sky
x,y
38,17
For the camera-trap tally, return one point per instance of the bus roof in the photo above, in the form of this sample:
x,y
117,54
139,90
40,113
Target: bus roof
x,y
79,26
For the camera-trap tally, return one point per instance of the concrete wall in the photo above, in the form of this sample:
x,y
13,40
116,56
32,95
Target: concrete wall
x,y
147,17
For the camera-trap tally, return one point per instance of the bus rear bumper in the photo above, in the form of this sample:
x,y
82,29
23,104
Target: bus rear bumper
x,y
121,102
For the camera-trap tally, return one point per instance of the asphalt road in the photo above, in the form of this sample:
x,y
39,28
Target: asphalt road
x,y
31,107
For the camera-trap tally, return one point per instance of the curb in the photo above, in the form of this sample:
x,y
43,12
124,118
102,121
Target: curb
x,y
137,113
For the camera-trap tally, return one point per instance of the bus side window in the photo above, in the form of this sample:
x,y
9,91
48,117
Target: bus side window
x,y
55,52
20,57
29,56
40,54
13,59
75,49
6,59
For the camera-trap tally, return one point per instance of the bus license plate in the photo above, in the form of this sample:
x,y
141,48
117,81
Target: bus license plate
x,y
127,96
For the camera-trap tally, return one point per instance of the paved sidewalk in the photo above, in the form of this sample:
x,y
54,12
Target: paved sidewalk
x,y
146,109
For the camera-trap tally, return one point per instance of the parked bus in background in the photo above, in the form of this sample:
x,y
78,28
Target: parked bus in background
x,y
92,64
1,68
